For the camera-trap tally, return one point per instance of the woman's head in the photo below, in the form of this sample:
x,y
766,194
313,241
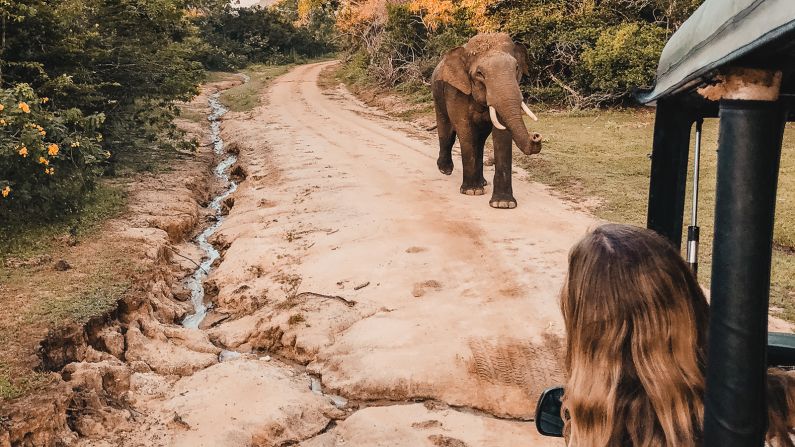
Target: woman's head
x,y
636,323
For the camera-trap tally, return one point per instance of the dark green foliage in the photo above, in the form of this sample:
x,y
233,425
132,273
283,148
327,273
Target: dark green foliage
x,y
591,52
623,57
238,37
582,52
48,158
404,52
112,72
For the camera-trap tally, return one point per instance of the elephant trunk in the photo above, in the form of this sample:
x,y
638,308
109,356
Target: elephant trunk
x,y
507,100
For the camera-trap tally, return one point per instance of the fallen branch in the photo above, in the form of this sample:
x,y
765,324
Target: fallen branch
x,y
347,302
189,259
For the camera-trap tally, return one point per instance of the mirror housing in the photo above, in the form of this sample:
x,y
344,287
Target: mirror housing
x,y
780,349
549,421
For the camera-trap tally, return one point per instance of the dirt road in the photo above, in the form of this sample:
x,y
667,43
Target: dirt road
x,y
370,302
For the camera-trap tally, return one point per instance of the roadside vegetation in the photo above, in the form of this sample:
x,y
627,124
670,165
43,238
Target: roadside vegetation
x,y
582,53
89,89
89,93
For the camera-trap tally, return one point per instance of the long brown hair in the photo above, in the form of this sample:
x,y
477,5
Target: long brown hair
x,y
636,322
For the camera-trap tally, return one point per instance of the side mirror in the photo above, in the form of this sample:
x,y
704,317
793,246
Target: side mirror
x,y
780,349
548,419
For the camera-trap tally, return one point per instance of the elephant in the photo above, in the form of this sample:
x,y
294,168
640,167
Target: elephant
x,y
476,93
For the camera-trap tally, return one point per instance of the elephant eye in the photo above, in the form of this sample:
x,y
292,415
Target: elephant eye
x,y
479,73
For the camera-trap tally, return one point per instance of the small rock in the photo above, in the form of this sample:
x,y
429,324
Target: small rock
x,y
62,266
179,422
140,367
338,401
267,358
181,293
226,356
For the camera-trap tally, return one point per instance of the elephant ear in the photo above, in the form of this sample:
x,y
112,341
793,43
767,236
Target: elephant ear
x,y
453,70
520,53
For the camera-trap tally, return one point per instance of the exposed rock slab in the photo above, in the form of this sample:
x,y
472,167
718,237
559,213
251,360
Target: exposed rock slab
x,y
418,426
164,357
246,402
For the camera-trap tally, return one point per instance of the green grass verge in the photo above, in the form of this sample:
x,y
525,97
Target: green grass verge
x,y
98,296
24,239
604,155
246,97
14,384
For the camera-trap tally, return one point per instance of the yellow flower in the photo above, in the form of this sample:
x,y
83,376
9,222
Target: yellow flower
x,y
2,107
52,149
107,154
75,144
2,122
43,133
23,151
44,100
6,191
24,107
49,171
44,161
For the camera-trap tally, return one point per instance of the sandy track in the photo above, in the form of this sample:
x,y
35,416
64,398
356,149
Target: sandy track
x,y
349,258
459,302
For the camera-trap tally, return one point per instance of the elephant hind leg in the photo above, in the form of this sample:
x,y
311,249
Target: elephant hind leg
x,y
447,137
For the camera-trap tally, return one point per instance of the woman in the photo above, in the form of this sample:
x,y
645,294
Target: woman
x,y
636,324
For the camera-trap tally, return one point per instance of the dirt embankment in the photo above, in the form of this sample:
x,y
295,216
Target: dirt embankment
x,y
90,369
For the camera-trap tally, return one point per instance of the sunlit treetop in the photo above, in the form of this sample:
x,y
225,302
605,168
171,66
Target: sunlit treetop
x,y
434,13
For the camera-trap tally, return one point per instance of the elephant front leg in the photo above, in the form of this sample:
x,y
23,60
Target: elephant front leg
x,y
473,179
503,161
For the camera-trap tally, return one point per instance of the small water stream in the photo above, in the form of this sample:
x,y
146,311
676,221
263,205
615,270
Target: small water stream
x,y
196,281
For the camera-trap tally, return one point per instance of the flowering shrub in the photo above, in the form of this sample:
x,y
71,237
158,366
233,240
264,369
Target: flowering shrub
x,y
49,157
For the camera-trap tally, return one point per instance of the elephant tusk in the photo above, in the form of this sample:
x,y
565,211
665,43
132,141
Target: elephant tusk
x,y
529,112
494,120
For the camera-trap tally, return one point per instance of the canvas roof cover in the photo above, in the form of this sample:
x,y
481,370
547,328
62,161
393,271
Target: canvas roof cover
x,y
719,32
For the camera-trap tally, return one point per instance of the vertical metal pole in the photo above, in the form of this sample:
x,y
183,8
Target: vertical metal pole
x,y
668,184
735,413
693,230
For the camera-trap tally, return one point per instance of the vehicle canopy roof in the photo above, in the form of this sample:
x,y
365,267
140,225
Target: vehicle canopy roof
x,y
718,33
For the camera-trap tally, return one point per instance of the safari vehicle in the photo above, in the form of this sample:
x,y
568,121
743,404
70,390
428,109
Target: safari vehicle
x,y
733,60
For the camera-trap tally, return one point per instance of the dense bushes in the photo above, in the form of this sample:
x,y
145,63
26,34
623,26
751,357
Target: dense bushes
x,y
582,52
111,72
237,37
48,157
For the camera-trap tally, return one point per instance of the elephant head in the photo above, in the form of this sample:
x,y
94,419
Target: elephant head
x,y
489,68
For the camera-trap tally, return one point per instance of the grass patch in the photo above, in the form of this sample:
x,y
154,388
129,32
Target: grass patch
x,y
604,155
15,384
246,97
23,239
97,297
